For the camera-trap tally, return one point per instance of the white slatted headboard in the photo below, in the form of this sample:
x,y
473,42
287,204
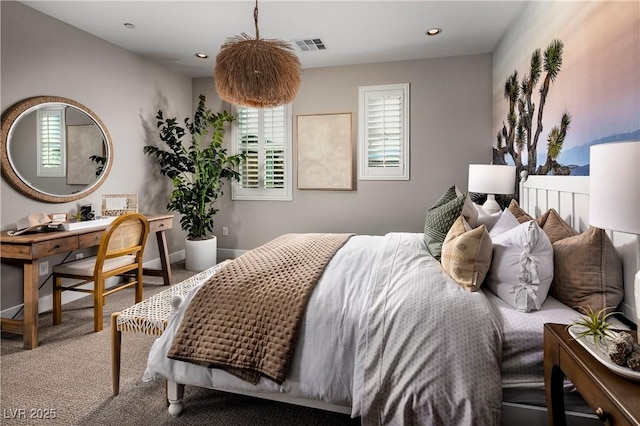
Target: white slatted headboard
x,y
569,196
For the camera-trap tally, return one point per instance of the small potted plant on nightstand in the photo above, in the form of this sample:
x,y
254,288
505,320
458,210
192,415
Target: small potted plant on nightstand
x,y
198,171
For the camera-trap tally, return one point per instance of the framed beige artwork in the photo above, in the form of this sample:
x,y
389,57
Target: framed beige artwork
x,y
325,152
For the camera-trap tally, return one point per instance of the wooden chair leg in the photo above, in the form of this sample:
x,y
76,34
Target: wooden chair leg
x,y
98,301
116,344
57,300
139,284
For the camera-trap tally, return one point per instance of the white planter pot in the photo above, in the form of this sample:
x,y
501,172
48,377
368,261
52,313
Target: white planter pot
x,y
200,255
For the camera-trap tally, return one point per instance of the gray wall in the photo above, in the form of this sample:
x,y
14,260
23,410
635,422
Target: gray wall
x,y
43,56
450,127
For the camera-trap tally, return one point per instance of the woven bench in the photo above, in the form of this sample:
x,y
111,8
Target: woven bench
x,y
150,316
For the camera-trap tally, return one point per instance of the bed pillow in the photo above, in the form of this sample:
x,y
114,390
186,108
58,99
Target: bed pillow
x,y
505,222
517,211
449,195
554,226
441,216
522,266
466,254
486,219
588,271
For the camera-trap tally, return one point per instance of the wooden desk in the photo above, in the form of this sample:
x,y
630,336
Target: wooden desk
x,y
29,248
614,399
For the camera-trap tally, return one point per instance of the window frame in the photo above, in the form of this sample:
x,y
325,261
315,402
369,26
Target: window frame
x,y
265,194
365,172
61,170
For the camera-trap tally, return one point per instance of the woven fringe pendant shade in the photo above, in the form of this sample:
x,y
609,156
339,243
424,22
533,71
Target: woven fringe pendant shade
x,y
258,73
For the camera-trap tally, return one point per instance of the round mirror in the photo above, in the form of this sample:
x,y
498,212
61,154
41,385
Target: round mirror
x,y
54,149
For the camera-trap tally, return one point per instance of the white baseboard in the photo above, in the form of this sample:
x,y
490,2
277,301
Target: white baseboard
x,y
173,257
224,254
45,303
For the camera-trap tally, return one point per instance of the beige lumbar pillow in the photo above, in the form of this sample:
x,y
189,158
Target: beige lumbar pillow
x,y
466,254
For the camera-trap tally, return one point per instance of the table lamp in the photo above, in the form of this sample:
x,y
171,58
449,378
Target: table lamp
x,y
614,194
491,179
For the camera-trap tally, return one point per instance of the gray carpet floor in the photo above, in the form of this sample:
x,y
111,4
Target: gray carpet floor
x,y
68,377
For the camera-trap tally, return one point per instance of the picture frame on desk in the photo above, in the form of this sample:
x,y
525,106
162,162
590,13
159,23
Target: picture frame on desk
x,y
119,204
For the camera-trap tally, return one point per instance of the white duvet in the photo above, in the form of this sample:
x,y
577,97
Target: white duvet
x,y
386,332
323,363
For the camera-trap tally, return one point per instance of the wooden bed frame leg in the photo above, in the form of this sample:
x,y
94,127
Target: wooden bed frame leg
x,y
175,392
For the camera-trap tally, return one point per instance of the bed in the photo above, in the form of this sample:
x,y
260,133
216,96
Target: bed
x,y
391,337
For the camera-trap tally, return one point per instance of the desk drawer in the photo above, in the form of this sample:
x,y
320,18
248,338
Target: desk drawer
x,y
91,239
160,225
59,245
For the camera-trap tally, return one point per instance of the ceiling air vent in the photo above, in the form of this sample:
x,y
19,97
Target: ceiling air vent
x,y
309,44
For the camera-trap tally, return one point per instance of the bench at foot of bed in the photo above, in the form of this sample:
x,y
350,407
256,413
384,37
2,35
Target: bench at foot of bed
x,y
151,316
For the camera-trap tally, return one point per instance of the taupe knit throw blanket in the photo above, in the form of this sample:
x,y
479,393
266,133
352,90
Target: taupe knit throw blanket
x,y
244,319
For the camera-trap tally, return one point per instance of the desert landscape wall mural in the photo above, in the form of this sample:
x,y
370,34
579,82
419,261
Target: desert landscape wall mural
x,y
597,85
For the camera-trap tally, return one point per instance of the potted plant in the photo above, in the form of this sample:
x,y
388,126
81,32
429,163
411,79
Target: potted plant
x,y
198,170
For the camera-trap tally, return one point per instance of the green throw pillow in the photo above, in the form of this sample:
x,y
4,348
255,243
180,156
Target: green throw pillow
x,y
439,220
449,195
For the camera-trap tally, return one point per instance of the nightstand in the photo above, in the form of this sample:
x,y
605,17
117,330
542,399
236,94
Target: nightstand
x,y
614,399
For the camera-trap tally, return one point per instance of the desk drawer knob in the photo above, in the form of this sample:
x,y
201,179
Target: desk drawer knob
x,y
601,414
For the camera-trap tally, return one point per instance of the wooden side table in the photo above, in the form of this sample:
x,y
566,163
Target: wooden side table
x,y
614,399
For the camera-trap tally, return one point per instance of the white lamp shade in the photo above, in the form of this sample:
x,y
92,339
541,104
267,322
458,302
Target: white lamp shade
x,y
614,186
492,178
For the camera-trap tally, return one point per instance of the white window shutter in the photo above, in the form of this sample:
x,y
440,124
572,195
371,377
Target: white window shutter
x,y
51,142
264,136
384,132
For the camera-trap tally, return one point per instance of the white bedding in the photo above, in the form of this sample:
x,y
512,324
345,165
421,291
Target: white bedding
x,y
522,350
325,366
431,353
322,367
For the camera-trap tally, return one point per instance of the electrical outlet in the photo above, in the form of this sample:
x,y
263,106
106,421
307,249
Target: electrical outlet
x,y
225,231
43,268
79,256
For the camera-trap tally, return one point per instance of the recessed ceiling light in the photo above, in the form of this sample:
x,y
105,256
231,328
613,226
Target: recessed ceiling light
x,y
433,31
129,25
202,55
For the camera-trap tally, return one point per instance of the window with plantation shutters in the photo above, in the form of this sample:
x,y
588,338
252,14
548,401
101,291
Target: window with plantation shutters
x,y
51,142
264,137
383,134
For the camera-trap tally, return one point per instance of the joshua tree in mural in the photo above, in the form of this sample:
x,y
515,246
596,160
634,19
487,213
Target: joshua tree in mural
x,y
518,132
